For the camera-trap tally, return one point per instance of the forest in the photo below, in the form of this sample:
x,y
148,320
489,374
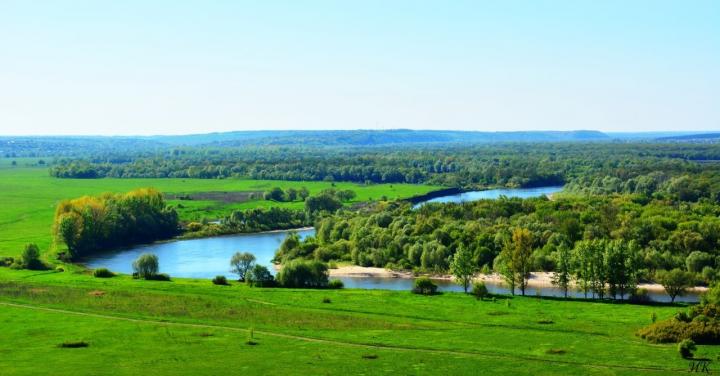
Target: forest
x,y
606,243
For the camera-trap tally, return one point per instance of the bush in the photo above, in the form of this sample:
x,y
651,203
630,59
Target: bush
x,y
103,273
194,226
303,274
159,277
640,296
146,265
259,276
424,286
6,261
480,290
682,316
59,269
686,348
30,258
335,284
220,280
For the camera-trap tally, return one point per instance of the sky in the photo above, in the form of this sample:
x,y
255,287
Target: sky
x,y
177,67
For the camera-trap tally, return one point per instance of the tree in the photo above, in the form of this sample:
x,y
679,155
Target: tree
x,y
30,257
323,202
345,195
146,265
520,250
480,290
424,286
563,277
675,282
303,193
582,271
240,263
620,265
303,274
259,276
462,267
275,194
503,266
291,194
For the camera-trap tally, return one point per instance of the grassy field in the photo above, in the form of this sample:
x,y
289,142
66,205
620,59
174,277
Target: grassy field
x,y
194,327
28,196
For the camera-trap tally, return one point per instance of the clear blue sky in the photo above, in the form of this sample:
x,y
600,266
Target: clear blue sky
x,y
174,67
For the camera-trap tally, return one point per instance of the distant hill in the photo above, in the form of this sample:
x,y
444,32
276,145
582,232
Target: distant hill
x,y
699,137
69,146
374,137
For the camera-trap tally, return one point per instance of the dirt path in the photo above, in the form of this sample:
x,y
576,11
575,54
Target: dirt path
x,y
343,343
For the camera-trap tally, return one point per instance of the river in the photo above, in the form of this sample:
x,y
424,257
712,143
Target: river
x,y
208,257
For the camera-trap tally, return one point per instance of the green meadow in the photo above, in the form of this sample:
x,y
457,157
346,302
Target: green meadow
x,y
68,322
193,327
28,196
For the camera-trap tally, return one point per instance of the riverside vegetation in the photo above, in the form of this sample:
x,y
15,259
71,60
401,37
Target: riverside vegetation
x,y
629,213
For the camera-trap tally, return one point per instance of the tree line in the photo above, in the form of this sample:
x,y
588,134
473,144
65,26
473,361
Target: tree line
x,y
92,223
604,244
591,167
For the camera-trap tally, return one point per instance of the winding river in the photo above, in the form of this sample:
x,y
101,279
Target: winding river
x,y
208,257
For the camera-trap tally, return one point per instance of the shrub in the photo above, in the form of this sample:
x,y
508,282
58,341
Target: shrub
x,y
159,277
220,280
59,269
30,258
424,286
480,290
146,265
639,296
194,226
335,284
686,348
259,276
74,344
671,331
326,300
103,273
6,261
682,316
251,338
303,274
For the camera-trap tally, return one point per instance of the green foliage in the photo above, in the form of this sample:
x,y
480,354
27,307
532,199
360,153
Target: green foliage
x,y
30,258
146,265
303,274
424,286
259,276
686,348
159,277
335,284
220,280
90,223
701,324
675,282
480,291
323,202
241,262
463,268
103,273
6,261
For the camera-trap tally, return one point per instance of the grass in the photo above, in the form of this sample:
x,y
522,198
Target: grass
x,y
69,322
28,196
194,327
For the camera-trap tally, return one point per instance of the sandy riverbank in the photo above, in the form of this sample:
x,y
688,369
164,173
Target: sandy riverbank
x,y
537,279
